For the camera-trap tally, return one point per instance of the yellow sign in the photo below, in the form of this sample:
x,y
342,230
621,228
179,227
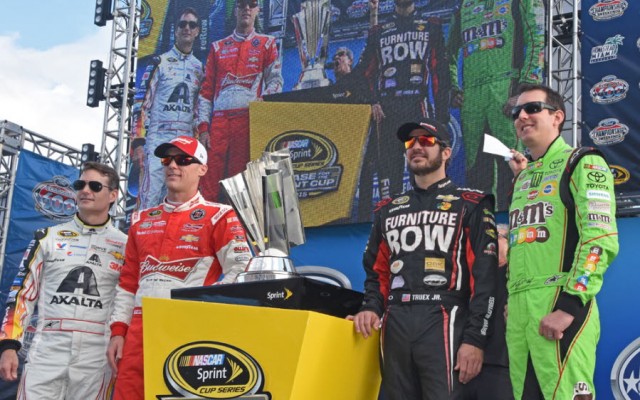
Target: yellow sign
x,y
217,351
326,142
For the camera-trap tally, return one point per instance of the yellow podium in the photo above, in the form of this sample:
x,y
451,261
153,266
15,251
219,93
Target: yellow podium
x,y
196,350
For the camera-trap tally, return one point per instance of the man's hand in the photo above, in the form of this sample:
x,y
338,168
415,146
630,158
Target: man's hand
x,y
376,113
364,321
457,98
9,365
204,139
518,162
552,326
114,352
469,362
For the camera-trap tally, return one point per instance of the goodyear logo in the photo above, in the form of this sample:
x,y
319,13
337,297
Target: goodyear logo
x,y
213,370
55,199
620,174
314,159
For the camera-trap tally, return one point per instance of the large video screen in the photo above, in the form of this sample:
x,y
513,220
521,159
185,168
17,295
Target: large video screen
x,y
249,76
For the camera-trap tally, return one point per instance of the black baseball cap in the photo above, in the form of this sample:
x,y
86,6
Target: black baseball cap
x,y
431,126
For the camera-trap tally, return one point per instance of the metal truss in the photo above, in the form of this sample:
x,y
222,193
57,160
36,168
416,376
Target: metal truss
x,y
120,88
13,139
563,54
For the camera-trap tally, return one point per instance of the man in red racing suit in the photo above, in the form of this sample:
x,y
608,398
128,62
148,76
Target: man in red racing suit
x,y
240,68
174,245
430,263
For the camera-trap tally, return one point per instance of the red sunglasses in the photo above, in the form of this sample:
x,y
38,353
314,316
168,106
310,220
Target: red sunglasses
x,y
423,140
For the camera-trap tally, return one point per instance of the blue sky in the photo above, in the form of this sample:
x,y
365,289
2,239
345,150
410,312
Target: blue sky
x,y
46,47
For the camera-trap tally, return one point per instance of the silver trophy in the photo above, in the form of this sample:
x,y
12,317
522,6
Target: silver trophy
x,y
311,26
265,199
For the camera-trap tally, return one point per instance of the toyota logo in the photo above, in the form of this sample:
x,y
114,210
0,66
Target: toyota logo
x,y
596,176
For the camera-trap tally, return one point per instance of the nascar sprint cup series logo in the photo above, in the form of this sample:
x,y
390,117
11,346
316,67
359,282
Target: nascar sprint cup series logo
x,y
213,370
314,160
55,199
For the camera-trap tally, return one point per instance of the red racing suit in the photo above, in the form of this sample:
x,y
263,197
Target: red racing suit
x,y
171,247
238,70
69,272
431,265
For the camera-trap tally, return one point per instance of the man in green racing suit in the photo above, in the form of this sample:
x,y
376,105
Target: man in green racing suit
x,y
562,234
502,45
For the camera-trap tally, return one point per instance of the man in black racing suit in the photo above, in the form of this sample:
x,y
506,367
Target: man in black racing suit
x,y
406,65
431,264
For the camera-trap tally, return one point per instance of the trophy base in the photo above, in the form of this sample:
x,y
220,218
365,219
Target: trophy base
x,y
313,83
266,268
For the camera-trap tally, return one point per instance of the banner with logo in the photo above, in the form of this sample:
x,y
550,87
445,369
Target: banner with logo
x,y
327,153
490,45
42,197
610,91
256,353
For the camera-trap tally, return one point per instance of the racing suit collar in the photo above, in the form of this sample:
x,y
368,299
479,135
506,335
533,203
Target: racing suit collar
x,y
89,229
197,199
180,54
557,143
436,186
241,38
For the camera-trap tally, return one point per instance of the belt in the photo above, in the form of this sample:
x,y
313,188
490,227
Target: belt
x,y
428,297
73,325
533,282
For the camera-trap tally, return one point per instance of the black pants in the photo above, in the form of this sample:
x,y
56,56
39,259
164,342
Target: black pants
x,y
493,383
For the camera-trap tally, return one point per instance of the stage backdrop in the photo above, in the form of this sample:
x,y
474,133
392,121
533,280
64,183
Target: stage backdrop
x,y
610,92
490,47
42,197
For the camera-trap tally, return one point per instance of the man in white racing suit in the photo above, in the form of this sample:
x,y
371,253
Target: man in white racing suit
x,y
171,84
70,271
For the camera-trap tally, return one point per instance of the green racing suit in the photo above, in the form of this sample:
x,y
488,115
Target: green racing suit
x,y
501,43
557,258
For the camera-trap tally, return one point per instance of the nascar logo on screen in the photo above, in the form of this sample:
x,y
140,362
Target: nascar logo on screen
x,y
213,370
314,159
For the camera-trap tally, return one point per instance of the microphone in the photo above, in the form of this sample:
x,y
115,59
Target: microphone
x,y
330,65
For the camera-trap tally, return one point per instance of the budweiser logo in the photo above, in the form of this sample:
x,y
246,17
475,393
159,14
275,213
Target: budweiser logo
x,y
177,269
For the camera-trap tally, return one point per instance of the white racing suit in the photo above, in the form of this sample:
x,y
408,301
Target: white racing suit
x,y
70,271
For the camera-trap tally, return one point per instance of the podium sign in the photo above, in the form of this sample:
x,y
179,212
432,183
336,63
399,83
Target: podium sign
x,y
220,351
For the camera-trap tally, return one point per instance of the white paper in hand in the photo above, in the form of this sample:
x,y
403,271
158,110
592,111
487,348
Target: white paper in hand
x,y
494,146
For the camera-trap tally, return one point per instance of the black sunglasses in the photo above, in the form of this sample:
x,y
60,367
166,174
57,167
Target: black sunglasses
x,y
533,107
192,24
95,186
244,3
180,159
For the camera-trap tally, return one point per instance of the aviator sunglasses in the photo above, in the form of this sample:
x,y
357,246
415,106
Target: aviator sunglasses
x,y
180,159
250,3
428,141
95,186
533,107
192,24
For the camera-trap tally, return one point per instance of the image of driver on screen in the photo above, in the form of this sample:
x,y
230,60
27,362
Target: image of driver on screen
x,y
240,68
172,87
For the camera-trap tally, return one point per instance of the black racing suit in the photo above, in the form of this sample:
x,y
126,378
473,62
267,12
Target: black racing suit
x,y
406,65
431,264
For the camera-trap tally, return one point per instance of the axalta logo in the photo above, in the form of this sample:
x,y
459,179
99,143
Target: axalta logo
x,y
609,90
620,174
625,373
55,199
314,158
608,9
213,370
609,131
